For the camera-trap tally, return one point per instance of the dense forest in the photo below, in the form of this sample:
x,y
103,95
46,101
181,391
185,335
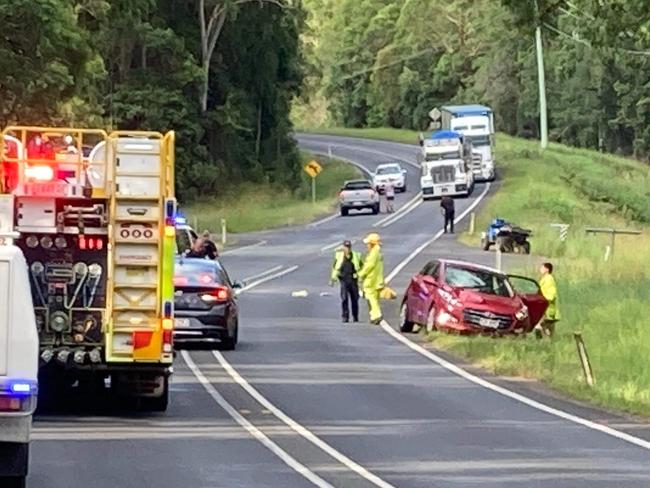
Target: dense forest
x,y
388,62
221,73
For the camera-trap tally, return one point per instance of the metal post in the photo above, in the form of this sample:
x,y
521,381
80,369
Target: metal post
x,y
543,121
472,223
498,259
313,190
584,359
224,232
609,250
329,153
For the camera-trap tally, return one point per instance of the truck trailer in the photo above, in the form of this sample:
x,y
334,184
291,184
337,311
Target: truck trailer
x,y
475,122
94,214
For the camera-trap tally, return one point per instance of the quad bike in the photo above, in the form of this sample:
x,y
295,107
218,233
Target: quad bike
x,y
507,237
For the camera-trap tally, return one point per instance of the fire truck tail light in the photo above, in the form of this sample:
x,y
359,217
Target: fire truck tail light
x,y
90,243
41,173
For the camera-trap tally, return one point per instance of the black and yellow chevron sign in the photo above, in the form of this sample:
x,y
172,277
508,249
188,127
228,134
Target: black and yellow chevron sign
x,y
312,168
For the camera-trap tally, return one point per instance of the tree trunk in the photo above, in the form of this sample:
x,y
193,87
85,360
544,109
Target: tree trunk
x,y
258,139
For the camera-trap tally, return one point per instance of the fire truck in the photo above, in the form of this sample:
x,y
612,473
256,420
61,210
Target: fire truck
x,y
94,213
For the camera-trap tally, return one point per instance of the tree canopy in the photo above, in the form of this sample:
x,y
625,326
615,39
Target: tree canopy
x,y
388,62
141,64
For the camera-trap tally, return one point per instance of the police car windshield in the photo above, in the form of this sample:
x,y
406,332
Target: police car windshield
x,y
198,272
388,170
443,156
479,280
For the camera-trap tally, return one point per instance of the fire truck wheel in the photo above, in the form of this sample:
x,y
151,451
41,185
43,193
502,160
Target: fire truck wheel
x,y
157,404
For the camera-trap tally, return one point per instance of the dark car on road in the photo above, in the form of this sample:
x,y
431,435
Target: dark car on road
x,y
205,304
469,298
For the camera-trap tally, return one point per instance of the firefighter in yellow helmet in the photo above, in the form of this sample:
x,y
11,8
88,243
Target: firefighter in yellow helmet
x,y
372,276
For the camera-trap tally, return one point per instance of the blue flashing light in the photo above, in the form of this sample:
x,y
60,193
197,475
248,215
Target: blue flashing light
x,y
181,220
21,388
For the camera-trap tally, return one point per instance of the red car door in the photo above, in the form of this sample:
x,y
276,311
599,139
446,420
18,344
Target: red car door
x,y
529,291
423,286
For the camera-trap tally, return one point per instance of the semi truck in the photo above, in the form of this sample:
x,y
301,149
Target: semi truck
x,y
475,122
94,213
445,159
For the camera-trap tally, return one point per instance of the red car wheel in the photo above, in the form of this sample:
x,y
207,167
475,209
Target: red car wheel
x,y
431,320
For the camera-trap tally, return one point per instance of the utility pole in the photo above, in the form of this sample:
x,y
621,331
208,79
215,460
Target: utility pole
x,y
543,121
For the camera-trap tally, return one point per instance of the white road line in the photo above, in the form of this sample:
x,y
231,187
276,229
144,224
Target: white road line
x,y
334,244
267,278
323,221
251,429
298,428
515,396
381,153
421,248
263,273
399,216
237,249
400,210
486,384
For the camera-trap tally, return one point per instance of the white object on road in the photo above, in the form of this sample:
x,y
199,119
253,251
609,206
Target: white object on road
x,y
300,294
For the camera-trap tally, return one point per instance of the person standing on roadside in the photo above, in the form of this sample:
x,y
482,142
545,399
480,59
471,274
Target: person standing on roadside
x,y
372,277
448,210
389,191
347,264
548,288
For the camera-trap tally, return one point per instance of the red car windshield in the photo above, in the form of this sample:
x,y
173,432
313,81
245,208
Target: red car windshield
x,y
478,280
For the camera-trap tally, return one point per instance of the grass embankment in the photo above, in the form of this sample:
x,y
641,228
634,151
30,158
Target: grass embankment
x,y
607,301
253,207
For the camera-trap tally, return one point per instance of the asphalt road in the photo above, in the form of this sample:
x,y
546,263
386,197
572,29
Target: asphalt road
x,y
306,400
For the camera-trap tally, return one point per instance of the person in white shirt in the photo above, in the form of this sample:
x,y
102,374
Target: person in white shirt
x,y
389,191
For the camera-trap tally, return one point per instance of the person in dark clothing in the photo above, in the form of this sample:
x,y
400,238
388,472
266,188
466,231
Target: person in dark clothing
x,y
347,264
209,247
203,248
448,211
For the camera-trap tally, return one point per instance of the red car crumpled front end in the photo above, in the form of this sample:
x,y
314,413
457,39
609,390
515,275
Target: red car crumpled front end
x,y
469,312
468,298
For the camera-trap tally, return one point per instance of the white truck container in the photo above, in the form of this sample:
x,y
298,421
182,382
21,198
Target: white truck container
x,y
445,161
18,362
475,122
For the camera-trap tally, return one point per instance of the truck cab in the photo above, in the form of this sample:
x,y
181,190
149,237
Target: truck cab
x,y
445,160
476,124
18,360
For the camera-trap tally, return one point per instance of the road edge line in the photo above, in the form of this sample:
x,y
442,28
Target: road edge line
x,y
401,265
256,433
298,428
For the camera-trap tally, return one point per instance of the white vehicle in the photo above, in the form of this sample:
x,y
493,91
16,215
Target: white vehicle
x,y
392,173
445,161
18,363
476,123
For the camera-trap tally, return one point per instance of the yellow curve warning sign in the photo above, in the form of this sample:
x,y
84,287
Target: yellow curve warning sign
x,y
312,168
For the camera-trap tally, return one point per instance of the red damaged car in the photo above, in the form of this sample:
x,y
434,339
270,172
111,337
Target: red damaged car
x,y
467,298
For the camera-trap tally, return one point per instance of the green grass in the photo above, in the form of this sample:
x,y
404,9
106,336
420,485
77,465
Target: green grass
x,y
380,133
607,302
252,207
